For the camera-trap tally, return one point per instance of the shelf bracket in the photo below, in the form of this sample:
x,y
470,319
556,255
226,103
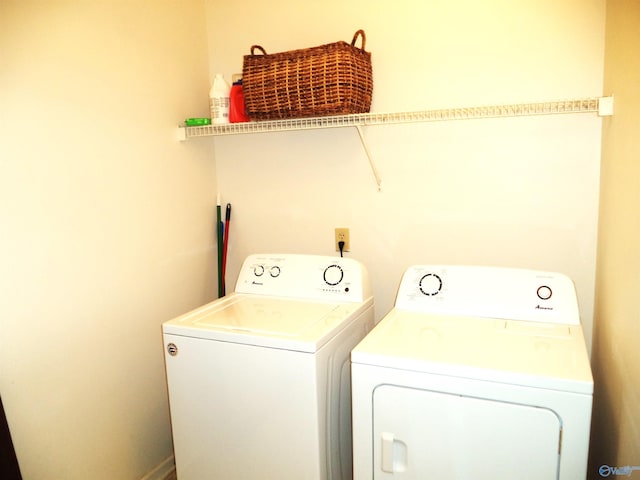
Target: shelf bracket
x,y
181,134
605,106
374,169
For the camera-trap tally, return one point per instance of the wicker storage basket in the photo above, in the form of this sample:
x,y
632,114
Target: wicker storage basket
x,y
332,79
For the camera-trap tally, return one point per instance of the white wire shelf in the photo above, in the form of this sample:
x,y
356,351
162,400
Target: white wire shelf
x,y
601,105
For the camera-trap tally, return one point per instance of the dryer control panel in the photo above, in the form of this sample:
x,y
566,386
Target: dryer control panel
x,y
312,277
489,292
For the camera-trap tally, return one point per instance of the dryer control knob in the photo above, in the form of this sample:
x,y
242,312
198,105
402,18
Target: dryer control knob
x,y
258,270
544,292
333,275
430,284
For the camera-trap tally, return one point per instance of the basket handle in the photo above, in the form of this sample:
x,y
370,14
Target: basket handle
x,y
355,37
253,47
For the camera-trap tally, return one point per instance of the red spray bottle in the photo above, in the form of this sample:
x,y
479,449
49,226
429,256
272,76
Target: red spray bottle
x,y
236,103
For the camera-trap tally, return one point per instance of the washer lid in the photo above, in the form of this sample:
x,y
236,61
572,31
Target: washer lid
x,y
542,355
266,321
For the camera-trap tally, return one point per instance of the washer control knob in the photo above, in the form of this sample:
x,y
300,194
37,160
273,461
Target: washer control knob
x,y
258,270
274,271
544,292
430,284
333,275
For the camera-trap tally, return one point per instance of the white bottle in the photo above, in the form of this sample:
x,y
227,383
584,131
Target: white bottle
x,y
219,100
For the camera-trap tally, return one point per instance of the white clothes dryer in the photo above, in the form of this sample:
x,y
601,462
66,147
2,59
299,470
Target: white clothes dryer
x,y
476,373
259,380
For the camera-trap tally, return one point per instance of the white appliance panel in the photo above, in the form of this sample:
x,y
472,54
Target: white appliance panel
x,y
304,277
234,401
573,410
489,292
259,380
248,412
414,430
477,372
524,353
274,317
303,325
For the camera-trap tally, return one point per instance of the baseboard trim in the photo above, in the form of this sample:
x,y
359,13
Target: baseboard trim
x,y
162,471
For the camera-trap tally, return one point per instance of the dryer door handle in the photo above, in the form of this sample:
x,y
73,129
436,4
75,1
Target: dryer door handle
x,y
393,454
386,463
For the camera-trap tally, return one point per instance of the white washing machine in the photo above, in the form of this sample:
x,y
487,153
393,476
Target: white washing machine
x,y
476,373
259,380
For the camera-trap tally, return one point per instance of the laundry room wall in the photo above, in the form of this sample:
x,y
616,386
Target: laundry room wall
x,y
106,226
511,192
615,438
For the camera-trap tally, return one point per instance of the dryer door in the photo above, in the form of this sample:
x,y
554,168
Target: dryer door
x,y
421,434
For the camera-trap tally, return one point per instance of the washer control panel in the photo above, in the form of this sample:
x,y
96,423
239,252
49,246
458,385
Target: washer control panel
x,y
489,292
304,276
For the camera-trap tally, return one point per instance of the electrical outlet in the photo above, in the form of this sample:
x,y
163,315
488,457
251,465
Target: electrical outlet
x,y
342,235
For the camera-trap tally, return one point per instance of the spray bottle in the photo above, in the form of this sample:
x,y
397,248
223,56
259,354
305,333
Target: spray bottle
x,y
236,104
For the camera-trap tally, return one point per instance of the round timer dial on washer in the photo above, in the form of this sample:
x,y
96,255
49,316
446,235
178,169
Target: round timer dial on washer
x,y
430,284
274,271
333,275
258,270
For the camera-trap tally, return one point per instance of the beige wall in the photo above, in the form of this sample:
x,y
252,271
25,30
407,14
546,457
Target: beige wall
x,y
106,226
511,192
107,220
616,364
